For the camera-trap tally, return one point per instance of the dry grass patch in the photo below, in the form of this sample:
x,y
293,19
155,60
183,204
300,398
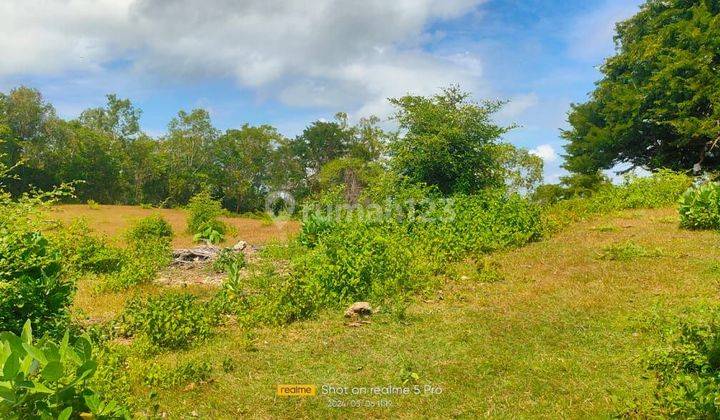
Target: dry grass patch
x,y
114,220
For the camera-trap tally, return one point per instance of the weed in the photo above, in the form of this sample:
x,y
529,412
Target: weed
x,y
627,251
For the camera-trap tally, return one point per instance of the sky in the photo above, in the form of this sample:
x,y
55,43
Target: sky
x,y
290,62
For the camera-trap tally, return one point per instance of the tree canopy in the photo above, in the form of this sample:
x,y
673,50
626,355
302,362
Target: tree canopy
x,y
658,103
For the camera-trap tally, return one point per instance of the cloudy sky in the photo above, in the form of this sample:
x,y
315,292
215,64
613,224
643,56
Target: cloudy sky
x,y
288,62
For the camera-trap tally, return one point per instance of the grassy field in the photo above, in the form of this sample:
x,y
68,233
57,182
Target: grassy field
x,y
563,334
114,220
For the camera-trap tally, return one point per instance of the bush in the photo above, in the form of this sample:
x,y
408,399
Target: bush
x,y
45,379
150,228
700,207
688,367
204,213
661,189
169,321
227,258
83,252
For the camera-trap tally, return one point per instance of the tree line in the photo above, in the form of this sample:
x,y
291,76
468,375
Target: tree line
x,y
446,141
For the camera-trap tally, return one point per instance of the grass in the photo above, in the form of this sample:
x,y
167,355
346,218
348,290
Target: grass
x,y
114,220
563,333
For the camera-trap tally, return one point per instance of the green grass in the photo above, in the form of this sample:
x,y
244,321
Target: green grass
x,y
563,333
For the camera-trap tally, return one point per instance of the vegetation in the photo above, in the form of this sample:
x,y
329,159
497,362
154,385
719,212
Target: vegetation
x,y
41,378
656,106
474,270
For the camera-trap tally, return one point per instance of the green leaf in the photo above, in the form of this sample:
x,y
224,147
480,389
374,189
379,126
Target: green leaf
x,y
7,394
86,370
11,367
36,353
53,371
26,336
65,414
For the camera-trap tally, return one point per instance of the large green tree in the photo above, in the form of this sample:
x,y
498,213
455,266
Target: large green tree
x,y
658,103
448,141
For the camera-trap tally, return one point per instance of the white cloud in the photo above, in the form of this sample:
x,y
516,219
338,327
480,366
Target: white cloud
x,y
546,152
518,105
591,36
333,53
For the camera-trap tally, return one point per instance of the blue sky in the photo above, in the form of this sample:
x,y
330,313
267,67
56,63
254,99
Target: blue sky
x,y
287,62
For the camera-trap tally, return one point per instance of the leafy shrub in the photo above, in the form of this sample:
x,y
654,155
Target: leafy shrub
x,y
661,189
227,258
49,380
150,228
688,367
204,213
169,321
212,233
358,262
700,207
83,252
93,205
162,377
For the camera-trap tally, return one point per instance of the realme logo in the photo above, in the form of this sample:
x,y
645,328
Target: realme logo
x,y
296,390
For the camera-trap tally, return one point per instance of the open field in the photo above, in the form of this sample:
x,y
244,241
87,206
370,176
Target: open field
x,y
114,220
563,334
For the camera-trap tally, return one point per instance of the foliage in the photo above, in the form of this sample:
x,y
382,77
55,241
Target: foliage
x,y
210,233
700,207
32,282
661,189
204,212
657,104
228,258
50,380
448,142
169,321
149,228
162,377
83,252
688,367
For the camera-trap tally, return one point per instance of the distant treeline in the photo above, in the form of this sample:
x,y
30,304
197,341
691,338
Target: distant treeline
x,y
106,150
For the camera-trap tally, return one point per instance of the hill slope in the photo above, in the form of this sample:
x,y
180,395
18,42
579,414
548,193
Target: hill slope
x,y
563,333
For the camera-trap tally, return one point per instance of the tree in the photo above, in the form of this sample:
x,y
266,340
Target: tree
x,y
188,150
119,117
658,103
448,142
522,170
242,160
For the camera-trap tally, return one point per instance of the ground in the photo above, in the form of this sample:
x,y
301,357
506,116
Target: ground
x,y
114,220
564,333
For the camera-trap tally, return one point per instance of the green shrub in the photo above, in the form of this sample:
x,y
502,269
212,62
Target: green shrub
x,y
162,377
83,252
227,258
661,189
32,286
700,207
169,321
688,367
44,379
149,228
204,212
211,232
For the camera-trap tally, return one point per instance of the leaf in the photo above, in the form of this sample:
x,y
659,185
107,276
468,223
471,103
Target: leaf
x,y
26,336
7,394
53,371
86,370
65,414
11,367
36,353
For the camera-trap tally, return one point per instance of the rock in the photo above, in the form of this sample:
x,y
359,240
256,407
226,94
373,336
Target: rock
x,y
240,246
358,309
189,256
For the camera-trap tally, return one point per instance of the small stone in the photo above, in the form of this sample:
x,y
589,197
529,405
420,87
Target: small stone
x,y
240,246
358,309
